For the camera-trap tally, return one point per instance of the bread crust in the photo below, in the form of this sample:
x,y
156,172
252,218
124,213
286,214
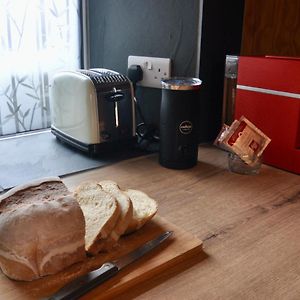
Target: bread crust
x,y
26,186
16,270
41,232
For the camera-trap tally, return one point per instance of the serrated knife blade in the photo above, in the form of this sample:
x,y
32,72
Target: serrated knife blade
x,y
87,282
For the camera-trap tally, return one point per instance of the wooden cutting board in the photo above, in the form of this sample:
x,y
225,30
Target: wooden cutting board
x,y
179,247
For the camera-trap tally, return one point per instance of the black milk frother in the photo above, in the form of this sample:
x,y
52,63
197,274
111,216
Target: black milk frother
x,y
179,122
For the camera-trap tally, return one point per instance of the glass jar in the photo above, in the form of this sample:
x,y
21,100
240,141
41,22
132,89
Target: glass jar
x,y
237,165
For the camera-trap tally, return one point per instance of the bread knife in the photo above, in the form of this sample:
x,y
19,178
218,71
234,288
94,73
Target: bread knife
x,y
85,283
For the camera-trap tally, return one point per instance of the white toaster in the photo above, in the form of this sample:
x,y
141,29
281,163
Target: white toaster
x,y
93,110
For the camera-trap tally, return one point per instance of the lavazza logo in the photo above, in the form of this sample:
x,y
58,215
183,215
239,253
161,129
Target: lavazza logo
x,y
186,127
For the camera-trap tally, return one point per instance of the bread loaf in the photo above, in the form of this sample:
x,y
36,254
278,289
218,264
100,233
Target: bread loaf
x,y
144,208
101,212
125,215
42,230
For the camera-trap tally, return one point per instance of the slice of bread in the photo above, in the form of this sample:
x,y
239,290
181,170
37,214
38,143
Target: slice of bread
x,y
101,212
125,215
144,208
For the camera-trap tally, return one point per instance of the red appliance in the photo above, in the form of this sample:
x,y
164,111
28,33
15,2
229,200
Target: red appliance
x,y
268,94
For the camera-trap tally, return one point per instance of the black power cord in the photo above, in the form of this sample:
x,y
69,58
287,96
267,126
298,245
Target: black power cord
x,y
147,134
135,74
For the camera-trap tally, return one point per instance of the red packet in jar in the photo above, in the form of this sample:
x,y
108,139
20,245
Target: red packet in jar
x,y
246,140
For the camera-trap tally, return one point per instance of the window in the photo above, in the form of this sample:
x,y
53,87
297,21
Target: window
x,y
38,38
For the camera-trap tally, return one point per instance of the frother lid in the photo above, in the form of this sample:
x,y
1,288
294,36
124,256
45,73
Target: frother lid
x,y
181,83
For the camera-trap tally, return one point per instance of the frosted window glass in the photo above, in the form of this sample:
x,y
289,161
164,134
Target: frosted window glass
x,y
37,39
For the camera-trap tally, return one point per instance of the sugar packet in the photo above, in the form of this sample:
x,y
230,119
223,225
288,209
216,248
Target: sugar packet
x,y
244,139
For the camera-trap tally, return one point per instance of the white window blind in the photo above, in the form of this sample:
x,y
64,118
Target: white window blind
x,y
38,38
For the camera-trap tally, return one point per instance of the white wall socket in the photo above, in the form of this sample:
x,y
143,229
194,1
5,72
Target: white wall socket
x,y
154,69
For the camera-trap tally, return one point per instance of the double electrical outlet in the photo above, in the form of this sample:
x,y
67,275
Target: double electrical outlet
x,y
154,69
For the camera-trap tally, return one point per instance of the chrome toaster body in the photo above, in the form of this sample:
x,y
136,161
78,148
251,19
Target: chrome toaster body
x,y
92,109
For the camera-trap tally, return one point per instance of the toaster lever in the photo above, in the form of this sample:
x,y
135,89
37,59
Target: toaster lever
x,y
116,114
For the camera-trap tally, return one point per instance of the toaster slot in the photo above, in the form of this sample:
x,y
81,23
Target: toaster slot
x,y
115,96
115,114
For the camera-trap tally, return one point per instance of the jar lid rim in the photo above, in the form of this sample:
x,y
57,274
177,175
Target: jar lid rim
x,y
181,83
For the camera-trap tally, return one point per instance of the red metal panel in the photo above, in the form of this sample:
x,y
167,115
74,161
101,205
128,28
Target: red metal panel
x,y
270,73
277,116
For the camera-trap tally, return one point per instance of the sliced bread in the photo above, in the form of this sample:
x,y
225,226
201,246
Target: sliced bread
x,y
101,212
125,215
144,208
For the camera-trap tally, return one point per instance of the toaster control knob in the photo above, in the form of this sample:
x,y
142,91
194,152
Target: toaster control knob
x,y
105,135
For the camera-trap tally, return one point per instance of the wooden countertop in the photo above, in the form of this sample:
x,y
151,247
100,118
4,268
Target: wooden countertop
x,y
250,226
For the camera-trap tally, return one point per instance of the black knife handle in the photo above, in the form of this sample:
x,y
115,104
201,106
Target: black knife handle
x,y
85,283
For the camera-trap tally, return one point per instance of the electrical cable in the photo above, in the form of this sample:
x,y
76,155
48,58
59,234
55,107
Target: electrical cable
x,y
147,134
